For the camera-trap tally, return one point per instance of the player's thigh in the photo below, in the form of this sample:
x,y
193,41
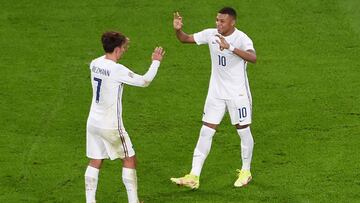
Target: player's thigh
x,y
118,144
214,110
95,147
110,143
240,110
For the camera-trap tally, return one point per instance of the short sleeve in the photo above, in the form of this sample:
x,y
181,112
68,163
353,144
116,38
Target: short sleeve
x,y
246,43
202,37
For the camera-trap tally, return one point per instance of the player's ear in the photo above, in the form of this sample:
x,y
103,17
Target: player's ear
x,y
117,50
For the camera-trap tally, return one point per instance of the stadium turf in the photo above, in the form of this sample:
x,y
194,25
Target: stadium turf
x,y
305,87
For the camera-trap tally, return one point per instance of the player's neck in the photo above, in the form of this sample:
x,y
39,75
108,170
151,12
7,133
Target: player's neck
x,y
111,57
232,30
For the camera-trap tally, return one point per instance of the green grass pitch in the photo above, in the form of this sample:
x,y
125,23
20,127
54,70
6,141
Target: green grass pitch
x,y
305,87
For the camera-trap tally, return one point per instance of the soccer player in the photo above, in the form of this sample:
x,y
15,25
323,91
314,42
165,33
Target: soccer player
x,y
106,137
230,51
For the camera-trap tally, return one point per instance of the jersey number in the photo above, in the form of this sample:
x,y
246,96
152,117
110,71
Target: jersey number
x,y
98,80
222,60
242,113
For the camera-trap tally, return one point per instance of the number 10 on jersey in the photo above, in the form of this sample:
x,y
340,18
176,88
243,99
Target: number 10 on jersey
x,y
222,60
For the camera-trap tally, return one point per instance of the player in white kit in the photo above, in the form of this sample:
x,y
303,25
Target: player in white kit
x,y
230,50
106,137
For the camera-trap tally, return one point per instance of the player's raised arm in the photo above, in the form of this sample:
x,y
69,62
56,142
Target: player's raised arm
x,y
181,35
134,79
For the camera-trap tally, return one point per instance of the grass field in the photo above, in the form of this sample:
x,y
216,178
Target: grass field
x,y
305,87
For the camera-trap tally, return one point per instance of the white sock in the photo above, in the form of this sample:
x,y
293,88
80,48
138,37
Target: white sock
x,y
130,181
91,180
247,146
202,149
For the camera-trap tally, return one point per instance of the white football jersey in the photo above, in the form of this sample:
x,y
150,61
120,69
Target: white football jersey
x,y
228,71
108,79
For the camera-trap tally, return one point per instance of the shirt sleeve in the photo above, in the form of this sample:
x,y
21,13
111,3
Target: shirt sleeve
x,y
125,75
202,37
246,43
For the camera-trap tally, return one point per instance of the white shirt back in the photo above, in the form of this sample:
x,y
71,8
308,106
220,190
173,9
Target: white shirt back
x,y
107,79
228,71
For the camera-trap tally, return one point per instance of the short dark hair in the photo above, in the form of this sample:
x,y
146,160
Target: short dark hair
x,y
228,10
110,40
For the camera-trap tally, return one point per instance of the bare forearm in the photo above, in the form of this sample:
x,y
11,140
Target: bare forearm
x,y
183,37
249,56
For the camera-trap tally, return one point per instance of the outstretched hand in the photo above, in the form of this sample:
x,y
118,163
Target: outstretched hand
x,y
158,54
177,21
222,43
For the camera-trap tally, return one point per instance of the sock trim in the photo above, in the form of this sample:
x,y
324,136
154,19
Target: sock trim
x,y
92,172
208,128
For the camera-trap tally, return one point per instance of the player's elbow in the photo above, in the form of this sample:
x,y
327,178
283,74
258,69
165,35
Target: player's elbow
x,y
145,83
252,58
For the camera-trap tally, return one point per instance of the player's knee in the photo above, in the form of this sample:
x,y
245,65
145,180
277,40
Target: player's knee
x,y
129,162
210,125
96,163
238,126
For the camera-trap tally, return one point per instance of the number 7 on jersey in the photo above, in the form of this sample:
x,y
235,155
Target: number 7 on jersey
x,y
98,80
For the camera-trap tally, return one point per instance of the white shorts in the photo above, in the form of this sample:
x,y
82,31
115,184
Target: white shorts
x,y
108,143
239,109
